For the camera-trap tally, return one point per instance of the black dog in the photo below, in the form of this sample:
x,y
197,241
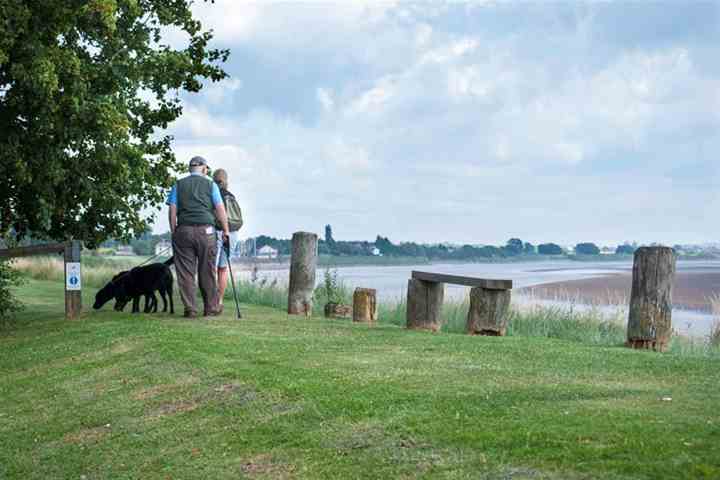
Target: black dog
x,y
150,299
137,282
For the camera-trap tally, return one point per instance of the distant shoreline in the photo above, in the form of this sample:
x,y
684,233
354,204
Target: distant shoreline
x,y
382,261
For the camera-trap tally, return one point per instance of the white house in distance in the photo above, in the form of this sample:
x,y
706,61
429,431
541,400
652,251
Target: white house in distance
x,y
376,252
163,247
267,252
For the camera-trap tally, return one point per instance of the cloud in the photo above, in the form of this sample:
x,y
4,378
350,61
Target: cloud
x,y
324,96
465,122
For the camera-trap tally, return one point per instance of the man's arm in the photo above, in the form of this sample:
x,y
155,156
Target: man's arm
x,y
221,215
172,218
172,210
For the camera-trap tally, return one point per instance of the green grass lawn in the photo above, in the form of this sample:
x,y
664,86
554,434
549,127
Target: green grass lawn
x,y
152,396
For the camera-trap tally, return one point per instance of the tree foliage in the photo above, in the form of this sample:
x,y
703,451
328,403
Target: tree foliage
x,y
86,88
625,249
514,246
549,249
587,248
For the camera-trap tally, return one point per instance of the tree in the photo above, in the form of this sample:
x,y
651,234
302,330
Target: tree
x,y
86,88
514,246
528,248
329,240
587,249
550,249
625,249
328,234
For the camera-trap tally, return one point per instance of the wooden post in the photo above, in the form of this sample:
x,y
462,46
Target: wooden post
x,y
73,280
424,304
302,273
650,315
365,305
488,314
337,310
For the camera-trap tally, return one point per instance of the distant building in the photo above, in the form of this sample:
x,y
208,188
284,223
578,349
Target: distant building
x,y
163,248
376,252
124,251
267,252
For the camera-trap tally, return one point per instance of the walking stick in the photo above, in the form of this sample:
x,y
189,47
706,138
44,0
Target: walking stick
x,y
226,247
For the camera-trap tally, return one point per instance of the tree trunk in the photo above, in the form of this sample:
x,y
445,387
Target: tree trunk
x,y
364,305
302,273
650,316
488,314
424,304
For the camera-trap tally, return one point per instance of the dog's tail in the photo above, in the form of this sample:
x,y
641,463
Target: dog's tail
x,y
170,261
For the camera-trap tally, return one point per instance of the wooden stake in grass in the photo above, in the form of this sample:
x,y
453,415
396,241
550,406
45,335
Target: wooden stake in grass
x,y
650,316
365,305
73,285
488,314
302,273
424,304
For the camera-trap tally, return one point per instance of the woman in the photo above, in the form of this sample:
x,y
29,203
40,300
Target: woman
x,y
235,223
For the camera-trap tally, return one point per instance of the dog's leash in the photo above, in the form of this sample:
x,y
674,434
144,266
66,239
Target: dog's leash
x,y
161,254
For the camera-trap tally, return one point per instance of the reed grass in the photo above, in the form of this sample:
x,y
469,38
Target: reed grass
x,y
96,272
714,337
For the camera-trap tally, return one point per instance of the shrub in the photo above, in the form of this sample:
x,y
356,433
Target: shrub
x,y
9,305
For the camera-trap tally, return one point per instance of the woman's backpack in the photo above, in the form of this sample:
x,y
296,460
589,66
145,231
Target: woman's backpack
x,y
234,212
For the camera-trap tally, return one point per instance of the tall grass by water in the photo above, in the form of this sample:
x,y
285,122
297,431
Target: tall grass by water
x,y
564,320
715,329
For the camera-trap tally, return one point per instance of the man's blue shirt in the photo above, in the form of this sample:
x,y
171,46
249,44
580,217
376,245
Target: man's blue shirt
x,y
216,197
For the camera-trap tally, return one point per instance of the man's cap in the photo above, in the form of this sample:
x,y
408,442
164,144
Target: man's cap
x,y
198,162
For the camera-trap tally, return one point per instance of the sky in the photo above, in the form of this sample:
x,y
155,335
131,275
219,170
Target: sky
x,y
465,122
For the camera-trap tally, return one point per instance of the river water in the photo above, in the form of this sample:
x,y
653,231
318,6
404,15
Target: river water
x,y
391,281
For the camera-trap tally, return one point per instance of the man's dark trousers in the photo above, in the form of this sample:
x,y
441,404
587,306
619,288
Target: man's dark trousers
x,y
195,250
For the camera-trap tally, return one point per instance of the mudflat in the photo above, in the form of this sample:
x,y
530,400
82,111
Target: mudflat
x,y
693,289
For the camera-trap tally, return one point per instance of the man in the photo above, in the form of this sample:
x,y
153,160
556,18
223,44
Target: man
x,y
235,222
195,206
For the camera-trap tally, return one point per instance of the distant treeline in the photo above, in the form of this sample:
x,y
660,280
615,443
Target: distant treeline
x,y
383,246
514,247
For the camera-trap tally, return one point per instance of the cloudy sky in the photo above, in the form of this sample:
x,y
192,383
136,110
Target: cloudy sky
x,y
466,122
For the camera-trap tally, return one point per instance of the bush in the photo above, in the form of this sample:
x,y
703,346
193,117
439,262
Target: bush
x,y
9,305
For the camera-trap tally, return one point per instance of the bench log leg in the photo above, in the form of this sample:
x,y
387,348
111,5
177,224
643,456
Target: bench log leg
x,y
424,304
488,314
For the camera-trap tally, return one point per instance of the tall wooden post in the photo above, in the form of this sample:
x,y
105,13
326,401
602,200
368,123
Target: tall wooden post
x,y
73,280
303,262
650,316
424,304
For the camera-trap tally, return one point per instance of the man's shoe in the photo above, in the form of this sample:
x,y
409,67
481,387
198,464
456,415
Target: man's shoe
x,y
189,314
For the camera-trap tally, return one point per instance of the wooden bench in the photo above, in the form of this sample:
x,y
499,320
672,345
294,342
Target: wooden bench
x,y
489,302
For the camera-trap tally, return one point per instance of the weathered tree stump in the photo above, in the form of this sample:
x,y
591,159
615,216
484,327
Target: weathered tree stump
x,y
337,310
302,273
488,314
365,305
650,316
424,304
